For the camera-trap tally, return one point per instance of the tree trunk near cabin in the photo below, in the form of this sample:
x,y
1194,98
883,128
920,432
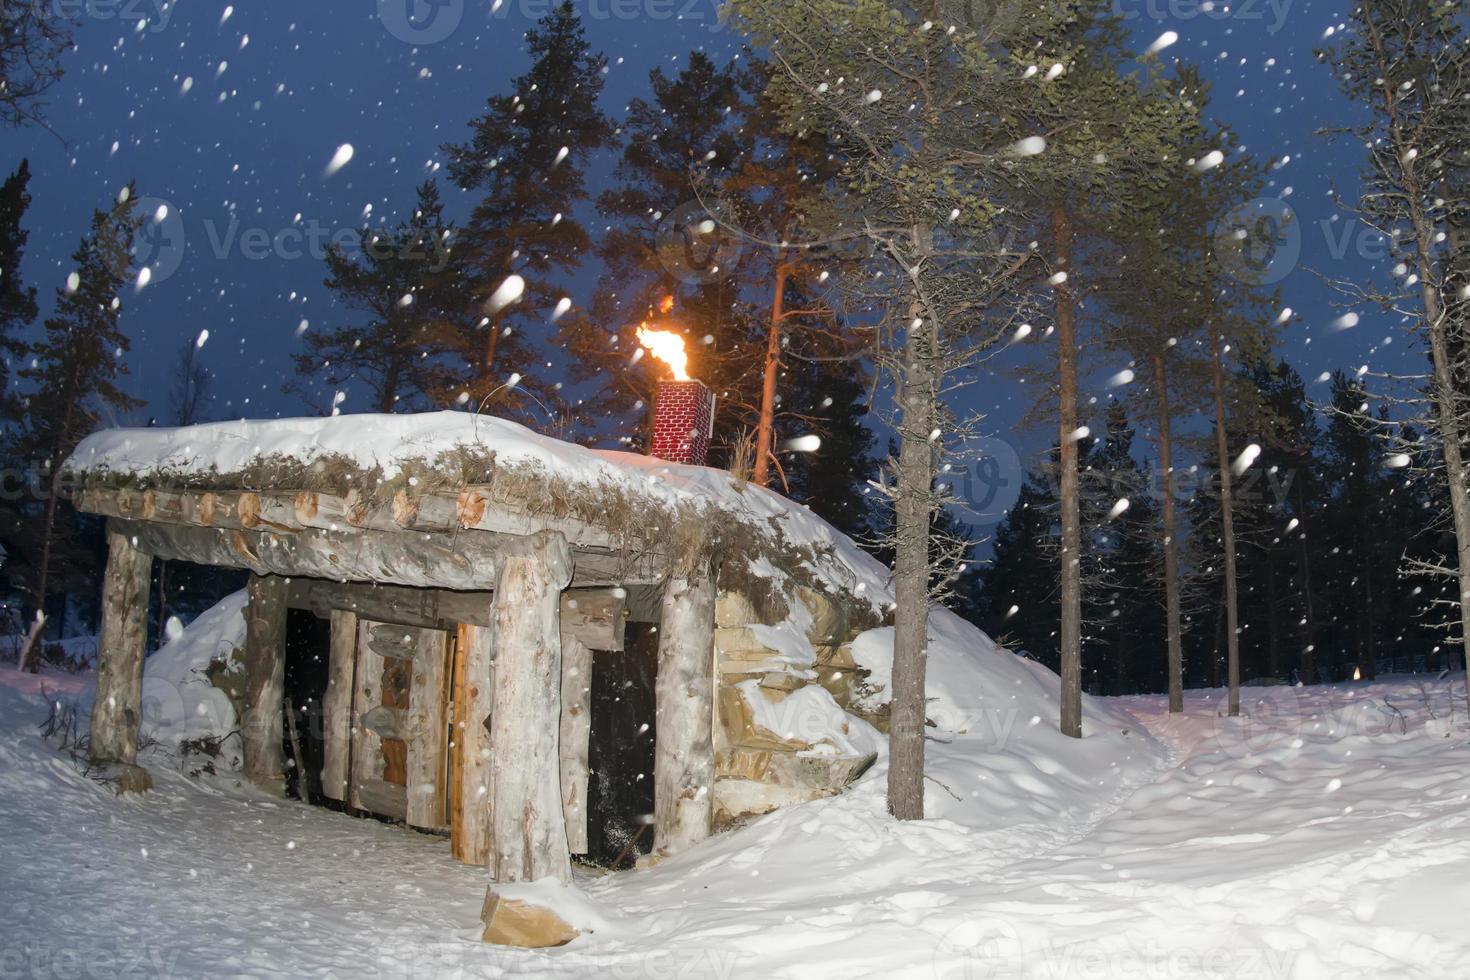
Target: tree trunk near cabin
x,y
1227,529
576,734
683,760
760,473
265,683
27,659
528,831
1306,663
337,706
913,510
1170,538
120,652
1071,556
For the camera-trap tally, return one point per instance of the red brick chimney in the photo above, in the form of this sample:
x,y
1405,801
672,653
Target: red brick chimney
x,y
683,421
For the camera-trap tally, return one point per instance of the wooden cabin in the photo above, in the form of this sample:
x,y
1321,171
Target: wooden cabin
x,y
476,578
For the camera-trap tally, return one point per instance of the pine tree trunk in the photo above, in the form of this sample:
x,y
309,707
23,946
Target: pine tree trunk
x,y
766,428
918,400
1170,538
1306,664
43,575
1227,528
1071,571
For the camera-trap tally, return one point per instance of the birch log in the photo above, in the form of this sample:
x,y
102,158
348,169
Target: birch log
x,y
528,831
120,652
473,691
683,761
427,731
265,683
337,706
576,732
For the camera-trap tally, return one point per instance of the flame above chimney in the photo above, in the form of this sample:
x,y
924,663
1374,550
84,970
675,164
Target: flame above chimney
x,y
665,345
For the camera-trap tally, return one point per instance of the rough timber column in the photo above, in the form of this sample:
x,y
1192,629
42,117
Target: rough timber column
x,y
528,832
265,682
683,760
120,652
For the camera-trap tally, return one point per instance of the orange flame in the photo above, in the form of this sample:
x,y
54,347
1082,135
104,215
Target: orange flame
x,y
666,305
666,346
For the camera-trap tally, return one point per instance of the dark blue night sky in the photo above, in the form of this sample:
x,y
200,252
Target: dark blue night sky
x,y
278,86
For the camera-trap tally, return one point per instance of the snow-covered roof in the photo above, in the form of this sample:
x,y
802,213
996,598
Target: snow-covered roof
x,y
456,450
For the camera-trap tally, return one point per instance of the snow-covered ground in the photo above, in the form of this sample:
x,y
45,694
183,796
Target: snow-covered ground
x,y
1326,835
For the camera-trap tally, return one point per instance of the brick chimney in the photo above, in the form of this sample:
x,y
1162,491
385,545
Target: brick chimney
x,y
683,421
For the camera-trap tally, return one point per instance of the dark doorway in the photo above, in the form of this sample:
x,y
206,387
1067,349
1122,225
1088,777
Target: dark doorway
x,y
308,652
620,755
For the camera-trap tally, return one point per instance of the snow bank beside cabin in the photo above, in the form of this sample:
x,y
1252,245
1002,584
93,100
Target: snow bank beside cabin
x,y
180,702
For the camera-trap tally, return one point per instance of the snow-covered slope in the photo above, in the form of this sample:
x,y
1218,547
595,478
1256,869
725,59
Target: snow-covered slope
x,y
179,702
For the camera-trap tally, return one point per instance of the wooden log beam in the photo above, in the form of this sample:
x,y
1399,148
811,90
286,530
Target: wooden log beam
x,y
118,707
463,562
683,764
595,617
528,830
337,706
576,733
265,683
474,676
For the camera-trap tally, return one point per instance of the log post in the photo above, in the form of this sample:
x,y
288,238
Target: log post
x,y
337,706
265,683
683,759
118,708
576,733
427,731
474,684
528,830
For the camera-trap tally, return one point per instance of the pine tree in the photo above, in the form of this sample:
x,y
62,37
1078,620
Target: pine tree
x,y
406,281
17,300
74,372
526,157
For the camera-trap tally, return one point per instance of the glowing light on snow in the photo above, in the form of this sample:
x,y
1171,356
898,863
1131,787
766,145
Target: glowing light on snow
x,y
562,306
1123,377
1397,461
1119,508
1029,147
508,292
668,347
173,629
1163,41
340,159
804,444
1246,459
